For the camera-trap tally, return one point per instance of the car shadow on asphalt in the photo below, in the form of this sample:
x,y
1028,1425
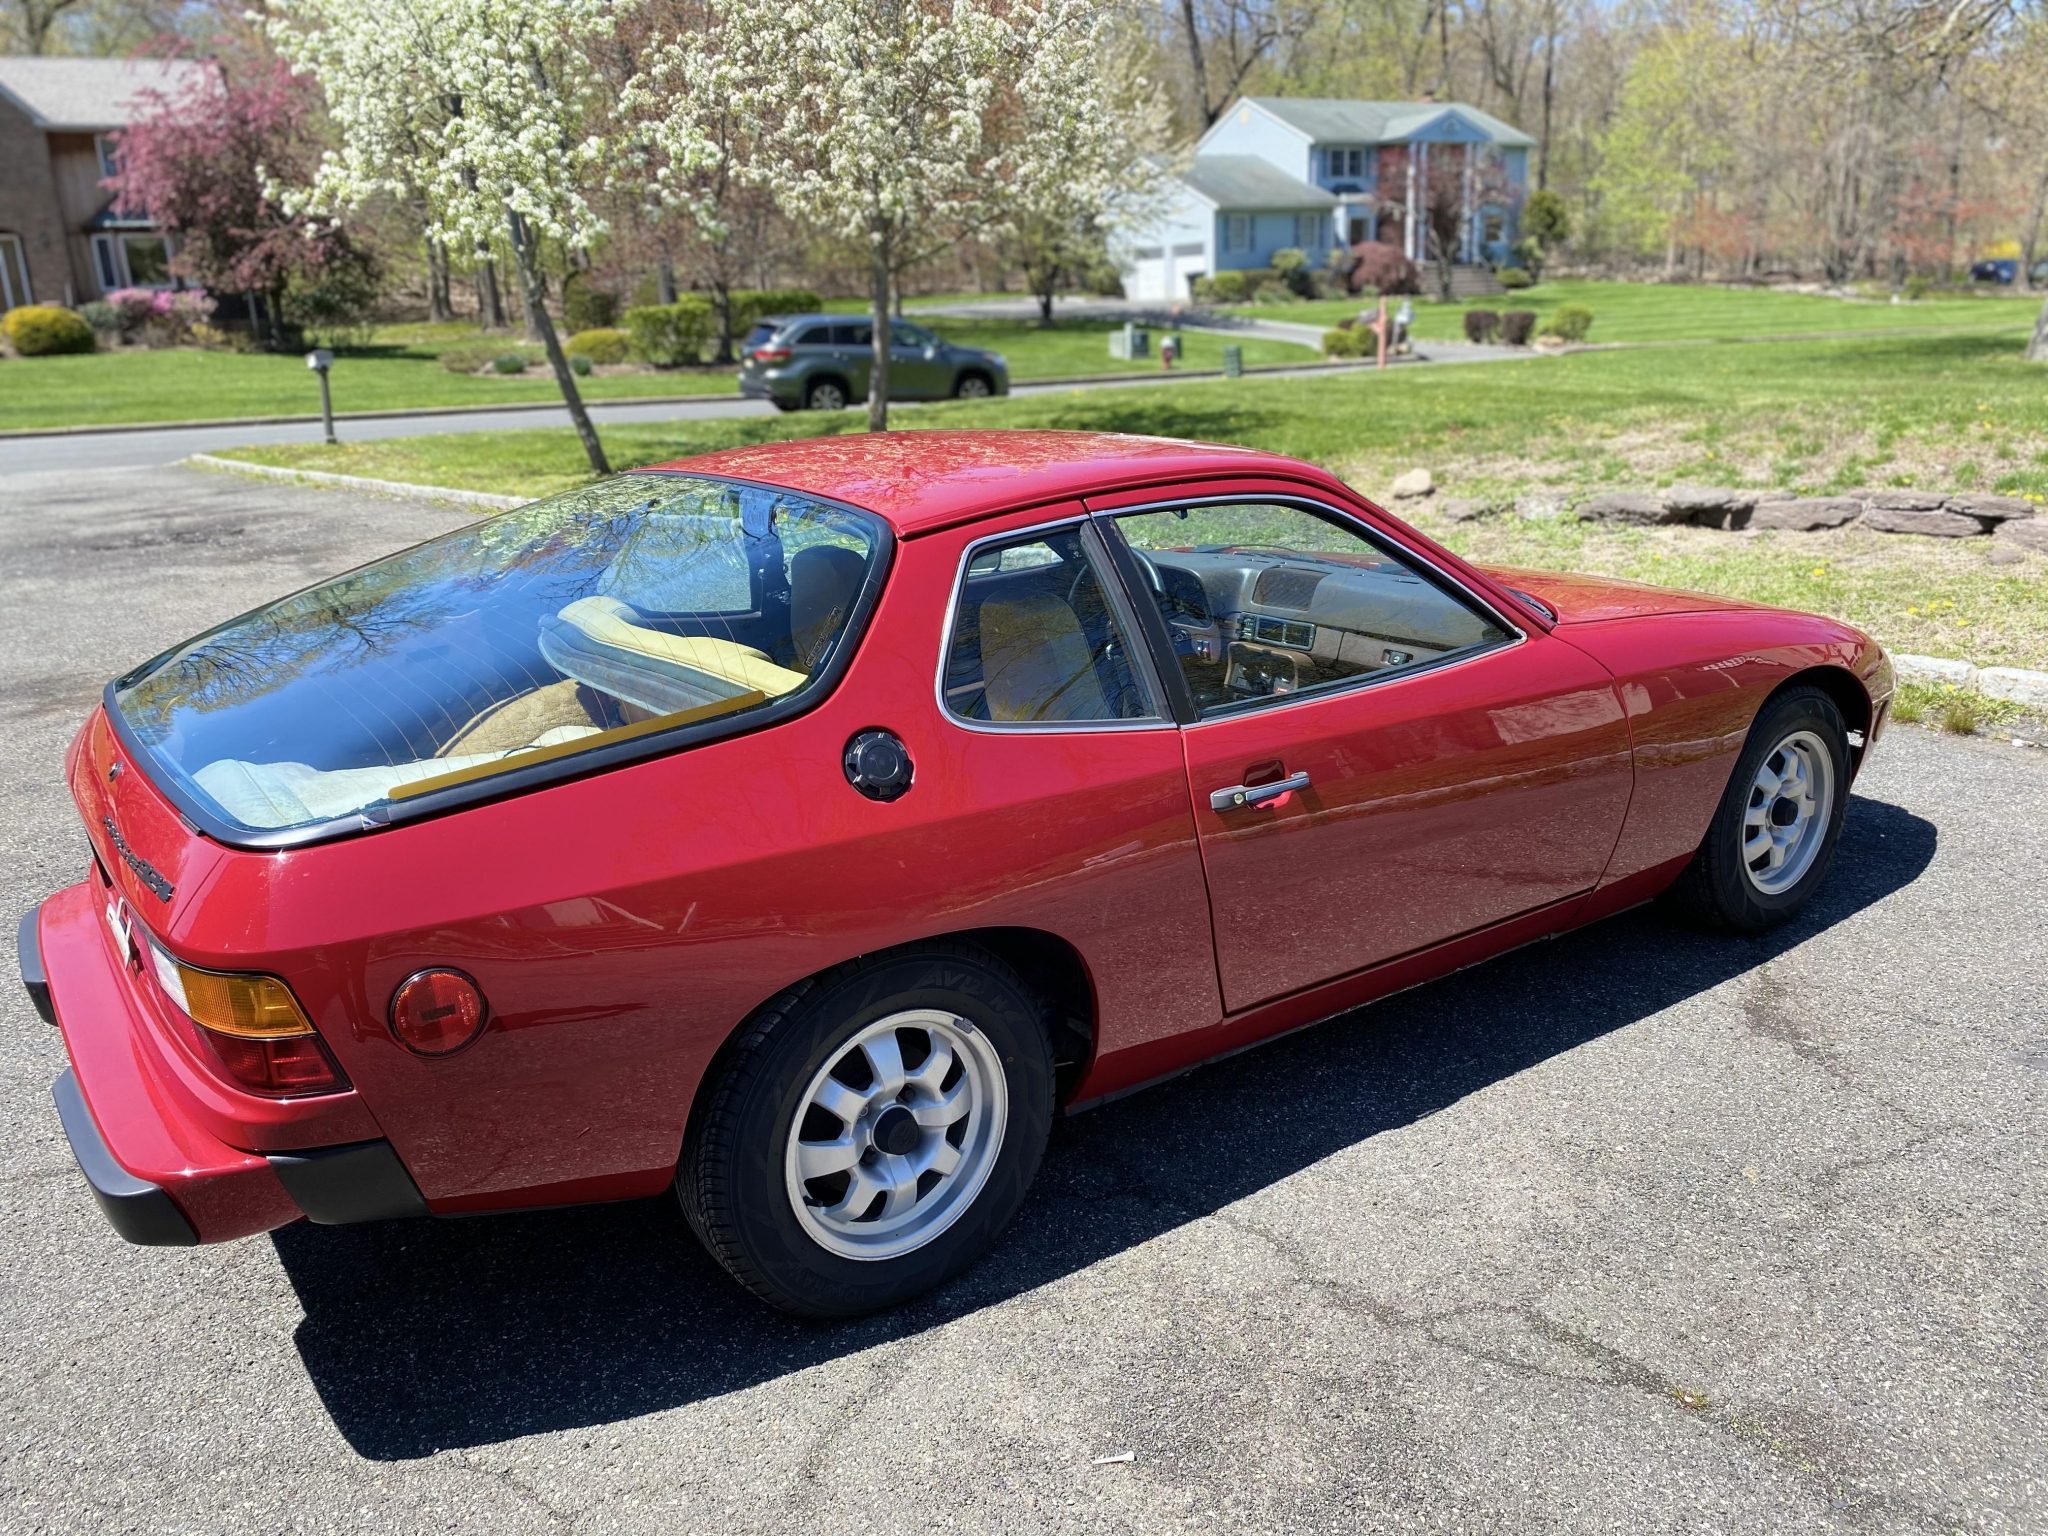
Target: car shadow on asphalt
x,y
425,1335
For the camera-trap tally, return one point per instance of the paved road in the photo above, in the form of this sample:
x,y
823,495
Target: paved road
x,y
1635,1231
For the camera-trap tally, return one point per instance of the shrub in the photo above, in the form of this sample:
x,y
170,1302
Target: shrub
x,y
1569,322
1517,326
1228,288
468,358
1513,278
509,362
333,303
579,365
1290,259
753,304
101,316
215,338
600,345
1272,291
1481,324
46,330
1346,341
671,335
1918,287
1382,268
586,307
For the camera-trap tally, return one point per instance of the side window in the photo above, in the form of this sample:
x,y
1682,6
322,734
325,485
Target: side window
x,y
903,334
1262,600
860,335
1034,641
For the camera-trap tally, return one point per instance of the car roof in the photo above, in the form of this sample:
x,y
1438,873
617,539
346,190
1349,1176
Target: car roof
x,y
919,481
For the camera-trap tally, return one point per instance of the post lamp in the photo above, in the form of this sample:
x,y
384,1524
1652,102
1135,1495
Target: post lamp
x,y
320,360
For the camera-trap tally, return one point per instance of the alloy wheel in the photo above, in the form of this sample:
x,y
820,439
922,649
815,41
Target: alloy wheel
x,y
1785,820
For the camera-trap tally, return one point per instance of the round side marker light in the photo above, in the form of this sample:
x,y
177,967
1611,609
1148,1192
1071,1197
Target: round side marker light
x,y
436,1013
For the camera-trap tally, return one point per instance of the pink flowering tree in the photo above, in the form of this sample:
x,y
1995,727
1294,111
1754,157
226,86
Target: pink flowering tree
x,y
207,164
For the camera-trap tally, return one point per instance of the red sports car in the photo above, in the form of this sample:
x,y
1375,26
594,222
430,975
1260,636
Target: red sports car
x,y
803,826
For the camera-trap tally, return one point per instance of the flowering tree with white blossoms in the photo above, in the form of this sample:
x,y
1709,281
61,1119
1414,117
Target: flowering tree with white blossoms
x,y
897,123
479,107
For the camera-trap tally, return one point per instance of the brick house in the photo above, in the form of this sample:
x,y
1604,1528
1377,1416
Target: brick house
x,y
61,240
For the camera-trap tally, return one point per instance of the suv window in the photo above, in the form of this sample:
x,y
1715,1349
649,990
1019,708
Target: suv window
x,y
853,335
1034,641
762,333
1262,600
904,334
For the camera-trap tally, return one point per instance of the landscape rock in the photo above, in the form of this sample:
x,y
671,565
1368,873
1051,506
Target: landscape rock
x,y
2024,533
2020,684
1904,501
1417,482
2003,552
1693,500
1807,513
1932,522
1636,507
1462,509
1933,669
1991,509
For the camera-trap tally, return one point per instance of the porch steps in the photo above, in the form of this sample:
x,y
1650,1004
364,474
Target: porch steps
x,y
1469,280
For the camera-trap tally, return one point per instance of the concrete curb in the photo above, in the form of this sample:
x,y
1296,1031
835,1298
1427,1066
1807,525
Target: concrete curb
x,y
480,408
396,488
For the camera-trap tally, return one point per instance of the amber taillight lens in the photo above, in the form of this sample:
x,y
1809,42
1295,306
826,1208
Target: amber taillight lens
x,y
436,1013
249,1028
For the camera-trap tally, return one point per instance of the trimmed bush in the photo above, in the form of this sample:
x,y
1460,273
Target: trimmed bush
x,y
1348,341
599,345
752,304
1569,322
508,362
46,330
586,307
1514,278
1382,268
1273,291
101,316
580,366
672,335
1481,324
1517,326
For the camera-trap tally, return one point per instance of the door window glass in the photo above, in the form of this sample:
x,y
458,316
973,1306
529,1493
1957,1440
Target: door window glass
x,y
903,334
1263,600
861,335
1034,641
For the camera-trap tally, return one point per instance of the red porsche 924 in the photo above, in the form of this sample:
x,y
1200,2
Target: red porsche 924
x,y
802,826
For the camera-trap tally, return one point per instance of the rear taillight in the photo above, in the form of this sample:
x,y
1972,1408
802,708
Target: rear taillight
x,y
248,1028
771,354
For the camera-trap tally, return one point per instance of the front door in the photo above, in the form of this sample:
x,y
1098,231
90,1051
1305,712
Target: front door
x,y
1379,761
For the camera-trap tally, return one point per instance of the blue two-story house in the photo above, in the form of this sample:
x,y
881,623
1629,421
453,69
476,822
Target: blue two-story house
x,y
1283,171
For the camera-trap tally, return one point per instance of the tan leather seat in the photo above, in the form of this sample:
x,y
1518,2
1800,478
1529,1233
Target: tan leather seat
x,y
1036,663
824,580
610,623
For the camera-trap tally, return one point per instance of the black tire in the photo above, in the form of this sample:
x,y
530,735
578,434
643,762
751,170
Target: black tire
x,y
731,1180
826,395
973,386
1717,888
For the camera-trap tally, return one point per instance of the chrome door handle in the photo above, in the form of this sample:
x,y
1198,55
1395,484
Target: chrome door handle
x,y
1240,795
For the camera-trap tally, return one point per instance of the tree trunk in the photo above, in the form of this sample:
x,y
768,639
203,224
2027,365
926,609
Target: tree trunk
x,y
665,280
1044,291
2037,348
878,311
439,305
490,305
1196,63
533,290
256,335
533,298
721,304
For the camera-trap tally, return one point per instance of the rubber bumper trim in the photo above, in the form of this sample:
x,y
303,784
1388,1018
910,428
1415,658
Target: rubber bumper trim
x,y
140,1211
335,1186
28,950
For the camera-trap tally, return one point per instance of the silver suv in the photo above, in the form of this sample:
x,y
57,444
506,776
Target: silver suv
x,y
822,362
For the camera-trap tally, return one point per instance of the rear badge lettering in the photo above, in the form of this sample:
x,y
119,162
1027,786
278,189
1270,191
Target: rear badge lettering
x,y
144,870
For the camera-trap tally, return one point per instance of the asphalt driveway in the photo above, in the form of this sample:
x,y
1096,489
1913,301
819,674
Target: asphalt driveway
x,y
1639,1230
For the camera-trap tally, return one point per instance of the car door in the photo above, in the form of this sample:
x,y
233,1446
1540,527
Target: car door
x,y
853,353
1379,758
917,368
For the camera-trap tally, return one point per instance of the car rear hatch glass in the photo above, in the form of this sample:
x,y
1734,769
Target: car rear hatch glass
x,y
602,625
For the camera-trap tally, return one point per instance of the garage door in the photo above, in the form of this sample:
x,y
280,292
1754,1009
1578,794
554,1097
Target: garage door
x,y
1148,279
1189,262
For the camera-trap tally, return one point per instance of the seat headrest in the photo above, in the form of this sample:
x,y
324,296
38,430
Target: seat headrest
x,y
1035,661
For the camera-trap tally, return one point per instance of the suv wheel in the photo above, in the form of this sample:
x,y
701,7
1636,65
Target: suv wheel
x,y
825,395
972,386
873,1130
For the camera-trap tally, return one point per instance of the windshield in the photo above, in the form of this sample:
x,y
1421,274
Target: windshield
x,y
645,604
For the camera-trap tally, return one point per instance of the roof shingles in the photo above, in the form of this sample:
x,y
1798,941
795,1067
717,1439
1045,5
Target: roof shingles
x,y
88,95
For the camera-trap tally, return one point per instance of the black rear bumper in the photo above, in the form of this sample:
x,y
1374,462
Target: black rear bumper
x,y
135,1208
28,951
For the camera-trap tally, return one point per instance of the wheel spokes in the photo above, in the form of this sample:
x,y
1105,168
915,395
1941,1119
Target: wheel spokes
x,y
885,1059
816,1159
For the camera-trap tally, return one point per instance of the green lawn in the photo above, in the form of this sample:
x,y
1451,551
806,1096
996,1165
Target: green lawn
x,y
399,370
1961,411
1643,312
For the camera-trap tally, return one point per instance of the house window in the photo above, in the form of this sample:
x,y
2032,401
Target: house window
x,y
1347,162
133,261
14,289
1311,230
1237,232
1493,229
104,143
